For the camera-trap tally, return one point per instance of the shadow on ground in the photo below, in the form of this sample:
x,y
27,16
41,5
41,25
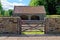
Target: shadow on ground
x,y
18,35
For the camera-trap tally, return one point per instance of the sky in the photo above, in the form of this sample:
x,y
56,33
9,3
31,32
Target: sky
x,y
9,4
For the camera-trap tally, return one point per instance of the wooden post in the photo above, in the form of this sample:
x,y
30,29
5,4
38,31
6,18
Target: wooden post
x,y
19,26
45,23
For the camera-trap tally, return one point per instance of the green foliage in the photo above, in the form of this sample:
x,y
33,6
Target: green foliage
x,y
1,9
58,10
50,5
6,13
36,2
10,12
1,14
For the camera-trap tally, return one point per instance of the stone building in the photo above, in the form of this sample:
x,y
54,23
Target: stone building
x,y
30,12
32,16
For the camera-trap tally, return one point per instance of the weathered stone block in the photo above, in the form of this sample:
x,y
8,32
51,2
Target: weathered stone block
x,y
9,24
53,25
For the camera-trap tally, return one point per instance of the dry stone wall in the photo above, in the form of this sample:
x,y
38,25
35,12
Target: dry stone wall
x,y
9,24
12,25
52,26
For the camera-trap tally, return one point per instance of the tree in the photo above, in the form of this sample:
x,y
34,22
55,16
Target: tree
x,y
50,5
1,6
36,2
6,13
58,6
10,11
1,9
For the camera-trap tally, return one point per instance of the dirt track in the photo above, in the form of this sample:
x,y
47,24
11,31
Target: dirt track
x,y
29,38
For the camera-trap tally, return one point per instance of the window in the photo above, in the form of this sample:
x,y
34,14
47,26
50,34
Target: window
x,y
34,17
24,17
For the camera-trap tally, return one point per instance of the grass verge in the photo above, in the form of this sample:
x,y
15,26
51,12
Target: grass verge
x,y
33,32
52,16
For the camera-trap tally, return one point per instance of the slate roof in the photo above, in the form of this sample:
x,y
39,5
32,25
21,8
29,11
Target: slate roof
x,y
29,9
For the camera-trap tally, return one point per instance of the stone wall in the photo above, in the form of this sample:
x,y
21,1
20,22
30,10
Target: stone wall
x,y
9,24
12,25
52,26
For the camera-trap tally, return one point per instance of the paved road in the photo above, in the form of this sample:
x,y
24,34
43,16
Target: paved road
x,y
41,37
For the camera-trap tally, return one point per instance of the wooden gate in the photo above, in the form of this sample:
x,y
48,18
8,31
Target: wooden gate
x,y
32,25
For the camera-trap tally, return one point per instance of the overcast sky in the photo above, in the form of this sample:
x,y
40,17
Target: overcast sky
x,y
9,4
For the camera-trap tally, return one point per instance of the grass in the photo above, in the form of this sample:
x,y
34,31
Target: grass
x,y
52,16
33,32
